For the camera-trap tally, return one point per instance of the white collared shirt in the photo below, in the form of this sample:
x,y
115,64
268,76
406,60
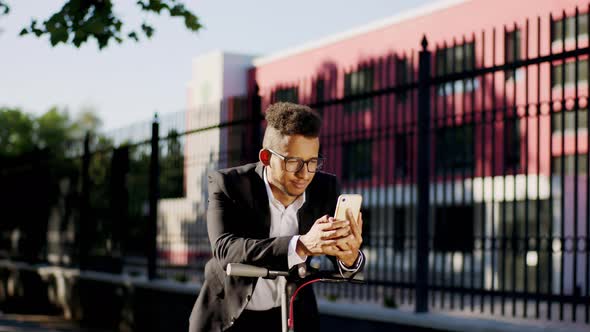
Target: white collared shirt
x,y
283,222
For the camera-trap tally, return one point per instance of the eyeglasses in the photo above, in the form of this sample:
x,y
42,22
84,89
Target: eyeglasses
x,y
295,164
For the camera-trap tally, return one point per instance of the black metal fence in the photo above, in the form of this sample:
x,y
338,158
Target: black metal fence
x,y
471,156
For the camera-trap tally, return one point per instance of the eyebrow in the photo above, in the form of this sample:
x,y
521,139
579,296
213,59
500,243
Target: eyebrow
x,y
291,157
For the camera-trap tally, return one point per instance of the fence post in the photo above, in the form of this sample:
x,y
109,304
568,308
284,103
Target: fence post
x,y
154,195
255,104
423,177
82,238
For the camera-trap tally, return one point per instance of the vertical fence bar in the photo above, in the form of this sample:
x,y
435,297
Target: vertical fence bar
x,y
538,162
551,208
441,133
409,137
576,155
388,183
452,168
474,174
587,244
502,170
493,240
83,241
514,133
255,114
382,176
152,233
526,289
464,156
393,121
483,173
405,203
423,179
563,172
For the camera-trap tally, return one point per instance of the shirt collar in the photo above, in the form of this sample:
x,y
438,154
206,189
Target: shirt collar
x,y
297,204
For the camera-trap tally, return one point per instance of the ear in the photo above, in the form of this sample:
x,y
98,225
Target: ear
x,y
264,156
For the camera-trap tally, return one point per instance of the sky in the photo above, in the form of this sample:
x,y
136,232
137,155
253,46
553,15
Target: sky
x,y
127,83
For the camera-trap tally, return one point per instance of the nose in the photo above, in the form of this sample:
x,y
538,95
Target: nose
x,y
303,173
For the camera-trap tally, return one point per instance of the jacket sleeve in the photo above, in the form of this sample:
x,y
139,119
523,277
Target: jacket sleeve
x,y
227,245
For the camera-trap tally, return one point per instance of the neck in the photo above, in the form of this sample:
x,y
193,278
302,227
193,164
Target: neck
x,y
280,196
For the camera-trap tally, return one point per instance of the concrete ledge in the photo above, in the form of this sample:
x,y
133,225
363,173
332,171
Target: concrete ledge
x,y
456,321
126,280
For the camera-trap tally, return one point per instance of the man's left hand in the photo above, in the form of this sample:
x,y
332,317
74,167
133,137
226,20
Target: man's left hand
x,y
347,248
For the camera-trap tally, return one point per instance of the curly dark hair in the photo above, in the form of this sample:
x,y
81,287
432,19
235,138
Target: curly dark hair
x,y
287,119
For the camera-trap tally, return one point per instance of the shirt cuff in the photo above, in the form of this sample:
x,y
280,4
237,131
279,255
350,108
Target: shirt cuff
x,y
356,266
292,257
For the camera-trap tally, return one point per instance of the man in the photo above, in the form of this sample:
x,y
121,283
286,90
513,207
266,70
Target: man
x,y
273,214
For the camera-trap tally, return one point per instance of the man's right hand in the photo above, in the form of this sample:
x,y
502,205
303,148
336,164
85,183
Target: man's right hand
x,y
325,232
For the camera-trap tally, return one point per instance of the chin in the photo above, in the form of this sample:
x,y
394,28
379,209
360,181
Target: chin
x,y
296,191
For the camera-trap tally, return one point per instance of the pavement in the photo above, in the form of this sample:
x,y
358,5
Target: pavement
x,y
39,323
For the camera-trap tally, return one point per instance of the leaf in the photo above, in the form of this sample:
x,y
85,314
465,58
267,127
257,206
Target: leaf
x,y
147,29
133,35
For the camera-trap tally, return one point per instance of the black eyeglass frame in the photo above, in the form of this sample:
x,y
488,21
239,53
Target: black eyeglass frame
x,y
301,162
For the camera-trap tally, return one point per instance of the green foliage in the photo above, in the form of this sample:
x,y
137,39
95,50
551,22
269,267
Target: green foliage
x,y
16,132
21,133
4,9
53,130
80,20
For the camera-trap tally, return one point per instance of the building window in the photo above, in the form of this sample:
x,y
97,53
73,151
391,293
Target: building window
x,y
558,34
452,60
453,228
454,152
565,73
355,83
512,144
402,77
401,165
569,164
512,53
357,160
561,121
287,94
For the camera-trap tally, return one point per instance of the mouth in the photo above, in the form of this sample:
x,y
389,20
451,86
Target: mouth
x,y
299,185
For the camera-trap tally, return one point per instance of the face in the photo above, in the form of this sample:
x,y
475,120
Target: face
x,y
287,186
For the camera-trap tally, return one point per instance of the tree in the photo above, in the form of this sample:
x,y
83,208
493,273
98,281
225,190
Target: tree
x,y
80,20
53,130
16,132
86,121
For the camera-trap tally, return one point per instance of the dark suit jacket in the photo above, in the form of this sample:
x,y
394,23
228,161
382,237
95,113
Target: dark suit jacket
x,y
238,223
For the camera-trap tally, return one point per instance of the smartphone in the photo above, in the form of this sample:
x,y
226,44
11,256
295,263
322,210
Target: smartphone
x,y
348,201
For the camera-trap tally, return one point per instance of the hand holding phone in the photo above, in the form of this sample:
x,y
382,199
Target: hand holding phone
x,y
348,208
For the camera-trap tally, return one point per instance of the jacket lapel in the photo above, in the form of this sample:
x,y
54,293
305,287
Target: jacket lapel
x,y
306,214
260,197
